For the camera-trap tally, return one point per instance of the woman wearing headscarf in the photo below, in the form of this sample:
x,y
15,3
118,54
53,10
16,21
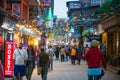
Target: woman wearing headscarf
x,y
94,57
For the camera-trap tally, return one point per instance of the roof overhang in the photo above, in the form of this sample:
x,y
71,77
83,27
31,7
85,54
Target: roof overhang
x,y
13,1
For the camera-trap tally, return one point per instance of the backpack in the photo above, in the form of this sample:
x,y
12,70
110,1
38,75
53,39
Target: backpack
x,y
73,52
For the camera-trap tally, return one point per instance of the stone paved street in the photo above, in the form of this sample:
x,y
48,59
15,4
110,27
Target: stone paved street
x,y
66,71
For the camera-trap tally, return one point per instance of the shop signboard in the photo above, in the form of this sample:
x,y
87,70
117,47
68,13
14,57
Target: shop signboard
x,y
94,37
8,69
8,24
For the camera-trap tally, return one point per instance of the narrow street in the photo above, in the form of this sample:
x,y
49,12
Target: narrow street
x,y
66,71
29,28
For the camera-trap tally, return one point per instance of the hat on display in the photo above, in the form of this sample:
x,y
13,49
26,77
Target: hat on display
x,y
94,43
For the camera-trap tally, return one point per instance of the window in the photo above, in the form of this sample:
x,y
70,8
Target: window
x,y
1,3
95,1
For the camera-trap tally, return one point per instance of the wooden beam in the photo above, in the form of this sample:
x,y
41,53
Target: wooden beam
x,y
12,9
25,2
21,10
4,4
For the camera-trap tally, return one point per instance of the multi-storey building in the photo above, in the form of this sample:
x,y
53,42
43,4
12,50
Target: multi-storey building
x,y
109,29
73,8
18,21
84,10
82,7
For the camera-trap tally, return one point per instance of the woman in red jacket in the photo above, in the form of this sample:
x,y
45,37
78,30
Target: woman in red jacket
x,y
94,57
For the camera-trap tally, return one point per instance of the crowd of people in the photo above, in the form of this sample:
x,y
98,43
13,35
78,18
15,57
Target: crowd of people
x,y
25,60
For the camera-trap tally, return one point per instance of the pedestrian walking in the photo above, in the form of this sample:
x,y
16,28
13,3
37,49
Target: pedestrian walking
x,y
44,63
57,53
79,54
50,52
86,48
30,62
62,54
103,48
94,57
67,52
19,57
73,55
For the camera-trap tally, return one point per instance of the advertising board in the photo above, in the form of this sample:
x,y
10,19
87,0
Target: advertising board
x,y
9,49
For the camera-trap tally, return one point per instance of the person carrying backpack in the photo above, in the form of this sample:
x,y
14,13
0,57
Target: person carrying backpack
x,y
73,55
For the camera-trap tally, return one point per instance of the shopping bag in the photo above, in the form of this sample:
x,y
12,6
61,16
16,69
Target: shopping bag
x,y
102,74
39,69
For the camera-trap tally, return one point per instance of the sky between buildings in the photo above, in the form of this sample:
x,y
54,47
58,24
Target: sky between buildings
x,y
60,9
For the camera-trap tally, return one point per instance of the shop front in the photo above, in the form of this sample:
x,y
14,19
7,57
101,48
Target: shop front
x,y
7,26
27,36
113,39
110,33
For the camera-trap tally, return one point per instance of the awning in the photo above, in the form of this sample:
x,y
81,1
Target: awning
x,y
13,1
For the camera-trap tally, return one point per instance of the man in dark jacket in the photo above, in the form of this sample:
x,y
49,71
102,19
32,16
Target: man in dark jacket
x,y
44,62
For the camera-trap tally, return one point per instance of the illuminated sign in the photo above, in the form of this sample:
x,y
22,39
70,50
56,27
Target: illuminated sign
x,y
10,46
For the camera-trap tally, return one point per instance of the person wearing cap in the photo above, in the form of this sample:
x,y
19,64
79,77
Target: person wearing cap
x,y
94,57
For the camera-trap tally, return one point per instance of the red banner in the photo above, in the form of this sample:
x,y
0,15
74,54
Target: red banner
x,y
10,46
